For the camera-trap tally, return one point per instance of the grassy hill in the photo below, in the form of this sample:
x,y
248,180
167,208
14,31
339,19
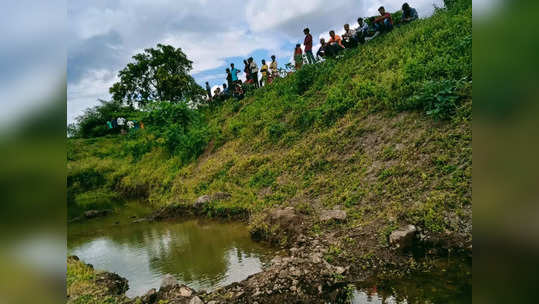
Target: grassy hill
x,y
384,132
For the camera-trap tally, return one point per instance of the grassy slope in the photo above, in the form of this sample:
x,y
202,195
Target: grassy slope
x,y
339,133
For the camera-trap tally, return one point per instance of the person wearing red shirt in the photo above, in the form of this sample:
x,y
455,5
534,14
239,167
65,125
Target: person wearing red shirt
x,y
308,43
384,23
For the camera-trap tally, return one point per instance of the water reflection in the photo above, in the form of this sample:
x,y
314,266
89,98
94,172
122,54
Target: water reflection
x,y
201,254
449,282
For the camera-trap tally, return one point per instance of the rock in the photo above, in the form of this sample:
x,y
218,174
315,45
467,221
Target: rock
x,y
196,300
219,196
403,238
95,213
206,199
212,302
201,201
168,282
286,214
186,291
150,296
328,215
113,282
141,220
340,270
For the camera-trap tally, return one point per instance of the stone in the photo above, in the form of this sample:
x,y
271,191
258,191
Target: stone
x,y
403,238
186,291
196,300
168,282
219,196
202,200
212,302
336,215
95,213
206,199
150,296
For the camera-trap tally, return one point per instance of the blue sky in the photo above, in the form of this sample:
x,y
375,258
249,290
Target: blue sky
x,y
104,34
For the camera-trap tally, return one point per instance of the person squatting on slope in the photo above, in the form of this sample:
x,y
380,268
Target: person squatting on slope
x,y
349,37
334,45
409,14
308,43
384,23
361,30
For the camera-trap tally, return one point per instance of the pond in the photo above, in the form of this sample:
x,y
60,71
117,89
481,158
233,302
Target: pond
x,y
450,281
203,254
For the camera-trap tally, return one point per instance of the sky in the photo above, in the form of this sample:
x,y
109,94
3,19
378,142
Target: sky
x,y
103,35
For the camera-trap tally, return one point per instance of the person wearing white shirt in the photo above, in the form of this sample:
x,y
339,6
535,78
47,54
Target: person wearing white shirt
x,y
361,31
120,121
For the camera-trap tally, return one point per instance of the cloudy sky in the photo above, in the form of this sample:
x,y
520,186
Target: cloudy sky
x,y
104,34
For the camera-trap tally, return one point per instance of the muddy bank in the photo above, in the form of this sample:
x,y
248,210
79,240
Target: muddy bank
x,y
315,265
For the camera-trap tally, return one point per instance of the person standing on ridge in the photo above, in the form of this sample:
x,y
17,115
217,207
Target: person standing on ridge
x,y
308,43
234,73
273,67
254,71
247,71
228,77
208,90
298,57
264,70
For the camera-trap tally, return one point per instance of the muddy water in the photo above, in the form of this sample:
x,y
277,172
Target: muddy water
x,y
449,282
199,253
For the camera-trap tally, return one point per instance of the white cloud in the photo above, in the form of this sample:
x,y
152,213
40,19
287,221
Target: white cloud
x,y
209,32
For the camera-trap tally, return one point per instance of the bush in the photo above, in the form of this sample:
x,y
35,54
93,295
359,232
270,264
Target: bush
x,y
439,99
180,130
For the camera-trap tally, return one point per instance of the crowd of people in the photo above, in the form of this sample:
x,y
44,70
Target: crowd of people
x,y
352,37
121,123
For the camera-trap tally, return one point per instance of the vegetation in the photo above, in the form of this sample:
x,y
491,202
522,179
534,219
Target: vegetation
x,y
84,287
157,75
384,131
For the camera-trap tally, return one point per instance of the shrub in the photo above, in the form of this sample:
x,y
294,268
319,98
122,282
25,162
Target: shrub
x,y
181,131
439,99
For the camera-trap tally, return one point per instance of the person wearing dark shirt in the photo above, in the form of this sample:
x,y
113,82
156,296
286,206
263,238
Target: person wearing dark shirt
x,y
384,23
208,90
247,71
321,53
229,77
308,43
409,14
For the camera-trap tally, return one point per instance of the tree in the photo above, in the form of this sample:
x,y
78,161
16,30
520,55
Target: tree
x,y
93,122
160,74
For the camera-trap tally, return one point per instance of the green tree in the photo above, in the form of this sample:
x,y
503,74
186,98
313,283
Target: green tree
x,y
93,122
160,74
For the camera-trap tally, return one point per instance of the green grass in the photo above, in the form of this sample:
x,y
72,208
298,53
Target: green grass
x,y
82,287
384,132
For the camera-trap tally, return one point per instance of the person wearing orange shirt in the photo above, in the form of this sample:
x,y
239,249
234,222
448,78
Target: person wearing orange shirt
x,y
334,44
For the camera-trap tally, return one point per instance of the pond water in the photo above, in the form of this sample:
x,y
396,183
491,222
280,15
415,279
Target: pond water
x,y
202,254
449,282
